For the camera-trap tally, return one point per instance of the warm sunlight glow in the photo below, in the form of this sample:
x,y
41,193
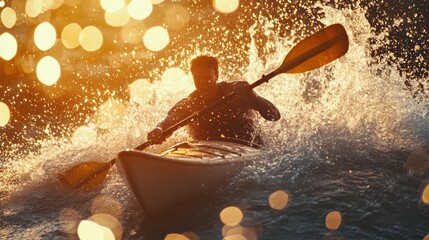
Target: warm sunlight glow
x,y
8,17
278,200
91,38
4,114
112,5
176,16
425,194
156,38
110,114
174,80
33,8
45,36
140,9
8,46
333,220
132,33
48,70
2,3
107,204
110,222
141,91
69,220
118,18
231,216
84,135
226,6
70,35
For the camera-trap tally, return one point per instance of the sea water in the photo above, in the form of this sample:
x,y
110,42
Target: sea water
x,y
348,139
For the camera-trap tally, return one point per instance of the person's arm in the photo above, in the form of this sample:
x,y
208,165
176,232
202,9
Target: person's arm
x,y
266,108
247,97
174,115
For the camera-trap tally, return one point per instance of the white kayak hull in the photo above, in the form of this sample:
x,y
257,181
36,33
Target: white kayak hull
x,y
163,181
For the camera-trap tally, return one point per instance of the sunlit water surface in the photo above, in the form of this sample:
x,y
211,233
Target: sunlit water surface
x,y
346,134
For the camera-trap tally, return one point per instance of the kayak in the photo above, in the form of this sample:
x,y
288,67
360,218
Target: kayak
x,y
182,172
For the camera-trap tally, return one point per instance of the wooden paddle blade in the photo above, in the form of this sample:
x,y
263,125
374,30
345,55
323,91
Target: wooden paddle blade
x,y
316,50
86,176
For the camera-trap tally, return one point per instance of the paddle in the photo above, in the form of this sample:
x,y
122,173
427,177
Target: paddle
x,y
313,52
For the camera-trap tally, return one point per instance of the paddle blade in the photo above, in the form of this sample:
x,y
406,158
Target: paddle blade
x,y
316,50
86,176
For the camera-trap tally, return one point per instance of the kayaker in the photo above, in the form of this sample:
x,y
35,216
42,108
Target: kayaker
x,y
231,120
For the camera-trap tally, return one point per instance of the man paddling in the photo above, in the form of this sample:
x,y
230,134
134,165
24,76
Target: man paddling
x,y
231,120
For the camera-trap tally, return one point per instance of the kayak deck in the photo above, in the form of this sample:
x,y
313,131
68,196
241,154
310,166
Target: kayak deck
x,y
166,180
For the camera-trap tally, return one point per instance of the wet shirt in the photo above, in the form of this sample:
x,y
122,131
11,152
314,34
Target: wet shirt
x,y
230,119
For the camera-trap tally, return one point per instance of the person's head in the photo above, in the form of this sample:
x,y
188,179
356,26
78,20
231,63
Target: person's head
x,y
205,71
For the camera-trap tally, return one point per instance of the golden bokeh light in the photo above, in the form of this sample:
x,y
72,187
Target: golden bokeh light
x,y
112,5
156,38
174,80
118,18
69,220
176,16
140,9
2,3
8,46
45,36
191,235
141,91
107,204
425,194
33,8
231,216
84,135
89,230
110,222
8,17
132,33
48,70
239,231
4,114
91,38
110,114
226,6
157,1
418,162
47,4
175,236
333,220
70,35
235,237
278,200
